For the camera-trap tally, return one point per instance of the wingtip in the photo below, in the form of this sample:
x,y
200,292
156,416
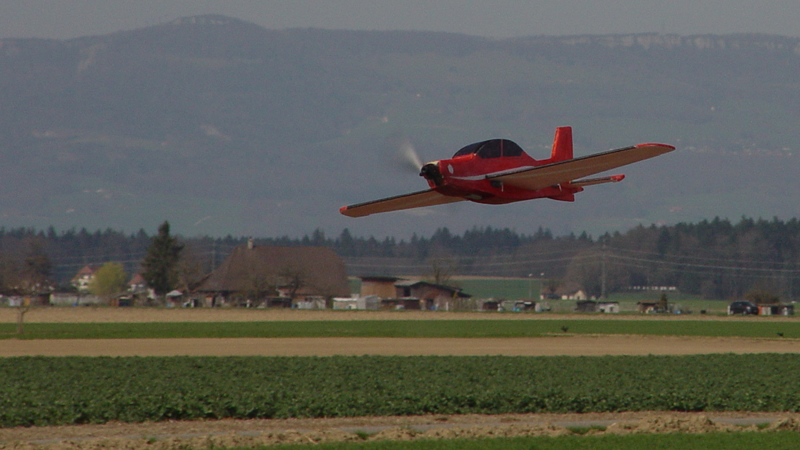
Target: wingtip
x,y
350,212
666,147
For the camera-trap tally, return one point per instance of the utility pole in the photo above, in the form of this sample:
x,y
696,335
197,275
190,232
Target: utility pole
x,y
213,255
530,286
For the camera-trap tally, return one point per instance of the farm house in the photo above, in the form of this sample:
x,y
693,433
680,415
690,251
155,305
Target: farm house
x,y
596,306
400,293
253,275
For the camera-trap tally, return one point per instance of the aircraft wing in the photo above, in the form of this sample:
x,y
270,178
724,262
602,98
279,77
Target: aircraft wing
x,y
571,169
407,201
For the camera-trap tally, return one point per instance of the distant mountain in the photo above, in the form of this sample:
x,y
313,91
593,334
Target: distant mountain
x,y
223,127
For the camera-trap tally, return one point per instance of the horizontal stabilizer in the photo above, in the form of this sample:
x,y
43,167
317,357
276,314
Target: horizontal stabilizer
x,y
593,181
400,202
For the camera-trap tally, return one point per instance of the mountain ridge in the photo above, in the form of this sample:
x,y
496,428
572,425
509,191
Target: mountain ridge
x,y
224,127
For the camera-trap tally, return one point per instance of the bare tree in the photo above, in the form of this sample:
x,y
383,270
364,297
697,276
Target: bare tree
x,y
260,283
442,269
189,270
293,279
27,276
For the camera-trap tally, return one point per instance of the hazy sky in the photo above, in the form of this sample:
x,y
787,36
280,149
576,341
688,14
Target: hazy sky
x,y
497,18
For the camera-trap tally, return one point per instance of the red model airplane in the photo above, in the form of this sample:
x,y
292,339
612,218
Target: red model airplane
x,y
498,171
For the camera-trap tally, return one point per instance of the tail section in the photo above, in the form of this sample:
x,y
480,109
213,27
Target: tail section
x,y
562,145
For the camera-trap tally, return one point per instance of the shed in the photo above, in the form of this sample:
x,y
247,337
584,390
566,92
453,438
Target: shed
x,y
586,306
524,305
370,302
310,302
608,307
380,286
430,295
648,307
345,303
410,303
490,305
775,310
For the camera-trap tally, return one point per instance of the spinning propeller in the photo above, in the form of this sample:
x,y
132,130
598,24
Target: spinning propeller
x,y
408,155
411,160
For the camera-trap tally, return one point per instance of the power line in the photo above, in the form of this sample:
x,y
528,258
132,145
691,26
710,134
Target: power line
x,y
705,266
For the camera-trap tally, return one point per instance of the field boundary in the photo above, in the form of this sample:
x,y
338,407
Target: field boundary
x,y
544,346
57,314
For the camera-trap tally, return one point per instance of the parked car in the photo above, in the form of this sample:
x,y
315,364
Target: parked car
x,y
742,308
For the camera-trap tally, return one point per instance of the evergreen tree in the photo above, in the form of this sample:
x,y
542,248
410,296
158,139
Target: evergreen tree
x,y
161,262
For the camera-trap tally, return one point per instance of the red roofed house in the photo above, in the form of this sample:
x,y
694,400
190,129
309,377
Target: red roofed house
x,y
84,277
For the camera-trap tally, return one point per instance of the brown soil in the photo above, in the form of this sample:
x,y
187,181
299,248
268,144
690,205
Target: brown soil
x,y
566,345
207,434
226,433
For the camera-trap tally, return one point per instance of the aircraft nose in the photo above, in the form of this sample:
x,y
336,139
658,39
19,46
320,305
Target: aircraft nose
x,y
431,172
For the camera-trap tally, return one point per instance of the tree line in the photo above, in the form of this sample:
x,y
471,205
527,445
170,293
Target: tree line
x,y
713,258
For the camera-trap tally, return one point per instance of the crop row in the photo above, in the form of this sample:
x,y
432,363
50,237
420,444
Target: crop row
x,y
70,390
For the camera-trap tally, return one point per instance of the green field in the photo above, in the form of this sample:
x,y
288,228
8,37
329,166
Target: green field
x,y
500,288
713,441
479,328
74,390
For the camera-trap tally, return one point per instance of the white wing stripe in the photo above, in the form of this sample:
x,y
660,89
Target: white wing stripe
x,y
493,174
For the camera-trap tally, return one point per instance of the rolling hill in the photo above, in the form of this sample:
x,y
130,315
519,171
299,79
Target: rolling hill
x,y
223,127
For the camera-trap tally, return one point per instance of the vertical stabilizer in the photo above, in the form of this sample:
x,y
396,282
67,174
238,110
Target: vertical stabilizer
x,y
562,145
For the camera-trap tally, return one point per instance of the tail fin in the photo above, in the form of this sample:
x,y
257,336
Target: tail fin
x,y
562,145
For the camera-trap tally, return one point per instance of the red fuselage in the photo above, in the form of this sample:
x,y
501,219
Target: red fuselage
x,y
466,175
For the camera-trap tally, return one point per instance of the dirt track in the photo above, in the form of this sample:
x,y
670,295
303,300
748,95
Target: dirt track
x,y
561,345
250,433
567,345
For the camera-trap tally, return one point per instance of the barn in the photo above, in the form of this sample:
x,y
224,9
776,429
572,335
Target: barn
x,y
431,295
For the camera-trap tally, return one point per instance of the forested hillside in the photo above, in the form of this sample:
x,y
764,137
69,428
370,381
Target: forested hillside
x,y
224,127
716,259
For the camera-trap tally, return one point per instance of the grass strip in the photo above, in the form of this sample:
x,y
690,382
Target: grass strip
x,y
405,328
785,440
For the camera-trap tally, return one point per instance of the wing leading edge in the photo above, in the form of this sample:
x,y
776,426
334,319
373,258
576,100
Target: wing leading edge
x,y
414,200
572,169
